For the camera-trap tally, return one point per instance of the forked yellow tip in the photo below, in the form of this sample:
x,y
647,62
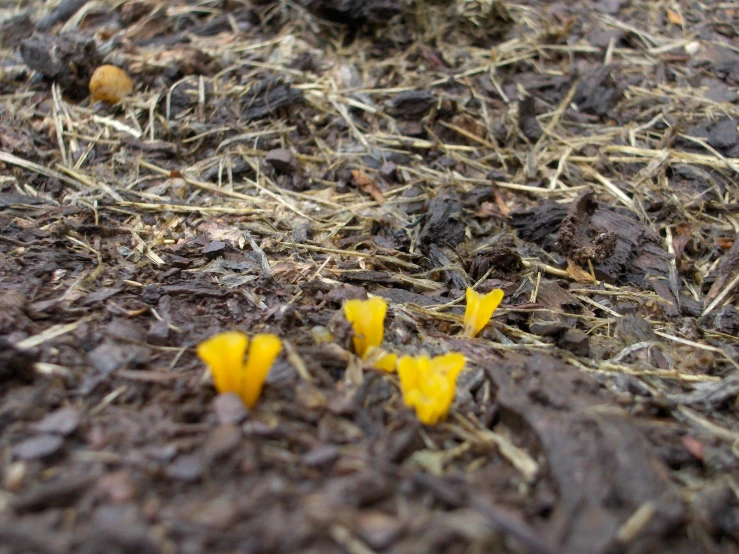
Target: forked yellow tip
x,y
429,384
480,308
224,355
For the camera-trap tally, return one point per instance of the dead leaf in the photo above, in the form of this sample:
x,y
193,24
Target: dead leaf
x,y
502,206
693,446
674,17
680,240
724,243
473,126
486,209
368,186
218,230
577,273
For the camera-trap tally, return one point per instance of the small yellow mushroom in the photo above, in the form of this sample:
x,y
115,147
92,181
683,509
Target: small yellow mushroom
x,y
110,84
380,358
429,384
224,355
479,310
368,319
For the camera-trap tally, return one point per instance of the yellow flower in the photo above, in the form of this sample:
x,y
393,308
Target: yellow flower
x,y
428,385
367,318
224,354
479,310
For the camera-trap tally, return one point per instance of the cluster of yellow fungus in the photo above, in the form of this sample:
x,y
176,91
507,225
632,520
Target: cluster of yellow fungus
x,y
427,384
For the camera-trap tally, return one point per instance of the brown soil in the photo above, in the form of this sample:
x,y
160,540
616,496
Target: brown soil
x,y
278,158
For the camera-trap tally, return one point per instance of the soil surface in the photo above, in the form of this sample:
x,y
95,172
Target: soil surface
x,y
278,158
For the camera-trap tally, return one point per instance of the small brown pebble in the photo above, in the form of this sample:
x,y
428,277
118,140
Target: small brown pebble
x,y
282,160
110,84
389,171
632,329
158,333
230,409
576,341
625,398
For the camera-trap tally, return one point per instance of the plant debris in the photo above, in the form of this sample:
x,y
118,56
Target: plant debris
x,y
65,59
280,162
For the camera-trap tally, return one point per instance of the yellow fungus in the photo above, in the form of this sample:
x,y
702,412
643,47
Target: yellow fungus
x,y
479,310
110,84
368,319
224,355
429,384
380,358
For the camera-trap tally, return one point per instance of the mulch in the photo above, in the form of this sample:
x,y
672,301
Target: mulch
x,y
278,158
